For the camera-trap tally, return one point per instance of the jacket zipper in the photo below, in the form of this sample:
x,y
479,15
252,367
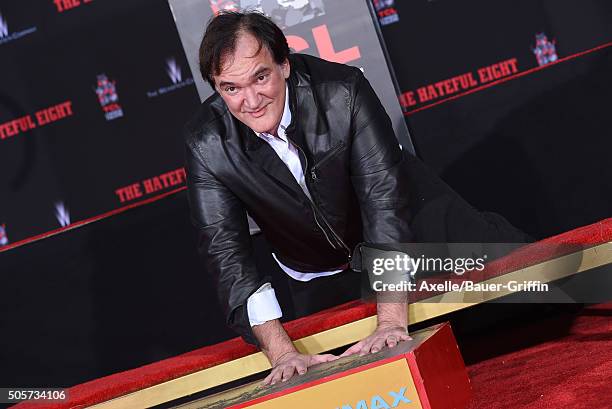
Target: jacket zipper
x,y
317,211
313,171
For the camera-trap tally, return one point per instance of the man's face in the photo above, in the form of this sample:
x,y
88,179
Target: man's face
x,y
253,85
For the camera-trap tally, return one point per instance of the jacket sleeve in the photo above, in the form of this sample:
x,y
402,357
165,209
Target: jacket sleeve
x,y
224,241
378,169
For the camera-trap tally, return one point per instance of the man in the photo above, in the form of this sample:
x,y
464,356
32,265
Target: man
x,y
306,148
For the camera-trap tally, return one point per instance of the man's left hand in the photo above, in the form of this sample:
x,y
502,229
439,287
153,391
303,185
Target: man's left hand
x,y
389,334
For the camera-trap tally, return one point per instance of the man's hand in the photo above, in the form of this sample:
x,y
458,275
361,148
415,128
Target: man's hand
x,y
392,325
288,364
281,353
389,334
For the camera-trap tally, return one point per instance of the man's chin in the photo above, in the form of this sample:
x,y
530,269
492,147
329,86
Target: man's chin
x,y
260,127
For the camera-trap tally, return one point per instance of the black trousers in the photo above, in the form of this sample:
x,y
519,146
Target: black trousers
x,y
324,292
440,215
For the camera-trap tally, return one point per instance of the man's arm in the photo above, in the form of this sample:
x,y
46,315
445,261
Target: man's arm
x,y
264,311
223,240
377,173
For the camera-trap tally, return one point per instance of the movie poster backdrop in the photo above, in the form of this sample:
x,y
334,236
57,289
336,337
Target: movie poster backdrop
x,y
447,53
507,100
93,95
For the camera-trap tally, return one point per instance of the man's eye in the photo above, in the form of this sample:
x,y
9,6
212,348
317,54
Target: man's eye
x,y
230,89
262,77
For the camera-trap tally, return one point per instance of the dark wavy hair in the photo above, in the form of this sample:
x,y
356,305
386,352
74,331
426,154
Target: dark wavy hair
x,y
223,31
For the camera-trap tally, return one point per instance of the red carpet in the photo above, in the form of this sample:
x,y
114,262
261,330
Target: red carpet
x,y
572,370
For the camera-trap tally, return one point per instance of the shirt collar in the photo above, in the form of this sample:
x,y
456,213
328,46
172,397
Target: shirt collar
x,y
284,122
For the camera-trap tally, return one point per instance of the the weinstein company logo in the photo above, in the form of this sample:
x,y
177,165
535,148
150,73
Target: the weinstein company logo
x,y
545,50
3,238
176,76
5,36
108,98
173,70
3,27
61,214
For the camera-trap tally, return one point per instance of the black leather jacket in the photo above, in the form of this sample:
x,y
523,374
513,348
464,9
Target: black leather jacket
x,y
353,167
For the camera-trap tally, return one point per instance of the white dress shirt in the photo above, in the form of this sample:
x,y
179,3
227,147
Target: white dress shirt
x,y
262,305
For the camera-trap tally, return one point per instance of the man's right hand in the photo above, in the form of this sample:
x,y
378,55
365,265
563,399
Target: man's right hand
x,y
289,363
281,353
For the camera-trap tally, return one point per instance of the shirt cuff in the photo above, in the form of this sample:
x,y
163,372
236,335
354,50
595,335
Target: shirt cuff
x,y
262,305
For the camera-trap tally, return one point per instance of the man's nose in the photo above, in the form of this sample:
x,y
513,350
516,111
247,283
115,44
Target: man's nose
x,y
252,98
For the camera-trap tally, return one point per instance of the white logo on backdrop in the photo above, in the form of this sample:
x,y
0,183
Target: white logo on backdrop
x,y
62,215
173,70
5,37
3,27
